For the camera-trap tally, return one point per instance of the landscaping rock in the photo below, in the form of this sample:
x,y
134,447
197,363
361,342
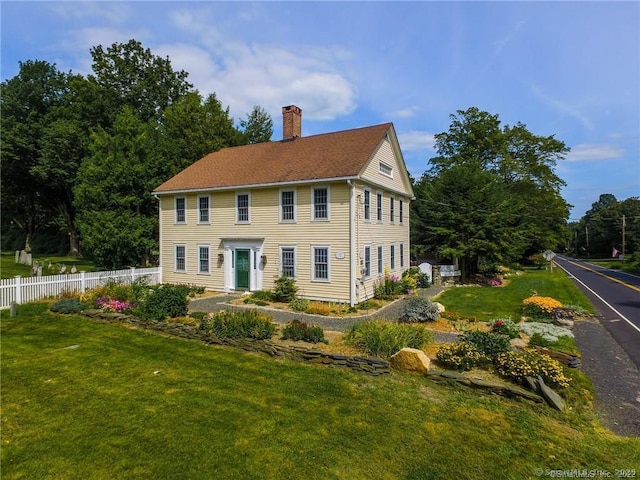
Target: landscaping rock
x,y
564,358
410,360
550,395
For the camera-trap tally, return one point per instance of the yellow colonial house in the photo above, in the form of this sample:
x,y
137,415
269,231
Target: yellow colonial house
x,y
330,210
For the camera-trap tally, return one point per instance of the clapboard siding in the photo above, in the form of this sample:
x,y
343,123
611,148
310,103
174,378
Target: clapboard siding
x,y
264,223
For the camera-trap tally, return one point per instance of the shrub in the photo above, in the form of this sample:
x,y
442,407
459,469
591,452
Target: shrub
x,y
540,307
68,305
116,306
487,343
421,279
517,365
461,356
505,327
549,332
299,304
419,309
240,324
198,315
285,289
254,301
388,286
297,330
264,295
383,338
537,260
164,301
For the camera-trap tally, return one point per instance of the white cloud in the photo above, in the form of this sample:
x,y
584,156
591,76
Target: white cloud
x,y
115,12
416,141
407,112
244,74
588,151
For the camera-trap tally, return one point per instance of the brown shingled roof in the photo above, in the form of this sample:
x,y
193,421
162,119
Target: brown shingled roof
x,y
324,156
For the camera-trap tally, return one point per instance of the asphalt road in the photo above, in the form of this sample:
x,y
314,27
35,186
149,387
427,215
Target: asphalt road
x,y
610,342
616,296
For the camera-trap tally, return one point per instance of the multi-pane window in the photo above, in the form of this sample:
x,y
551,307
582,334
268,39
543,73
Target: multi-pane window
x,y
367,261
401,255
379,206
203,258
367,204
321,203
203,209
392,257
380,260
386,169
401,210
181,258
242,207
287,205
181,204
392,210
288,262
320,263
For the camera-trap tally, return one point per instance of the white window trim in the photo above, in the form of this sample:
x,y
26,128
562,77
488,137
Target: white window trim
x,y
380,259
313,264
248,221
175,257
208,247
295,260
364,204
392,257
379,206
366,274
313,205
175,209
383,166
392,209
200,221
295,205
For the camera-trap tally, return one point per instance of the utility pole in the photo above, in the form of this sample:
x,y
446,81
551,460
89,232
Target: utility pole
x,y
586,233
623,229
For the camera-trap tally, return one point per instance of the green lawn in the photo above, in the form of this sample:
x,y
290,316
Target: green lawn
x,y
490,303
88,400
9,268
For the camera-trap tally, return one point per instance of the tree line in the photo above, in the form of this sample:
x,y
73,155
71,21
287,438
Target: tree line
x,y
491,196
608,229
81,155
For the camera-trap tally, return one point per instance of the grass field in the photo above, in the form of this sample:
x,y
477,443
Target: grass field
x,y
88,400
490,303
9,268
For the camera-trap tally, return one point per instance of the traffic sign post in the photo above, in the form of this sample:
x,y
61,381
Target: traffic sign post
x,y
548,255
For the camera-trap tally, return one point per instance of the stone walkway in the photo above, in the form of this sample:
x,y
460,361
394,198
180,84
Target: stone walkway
x,y
393,311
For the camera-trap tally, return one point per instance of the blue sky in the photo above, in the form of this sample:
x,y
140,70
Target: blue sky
x,y
569,69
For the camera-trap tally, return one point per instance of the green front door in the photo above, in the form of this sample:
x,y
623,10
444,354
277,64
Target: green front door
x,y
242,269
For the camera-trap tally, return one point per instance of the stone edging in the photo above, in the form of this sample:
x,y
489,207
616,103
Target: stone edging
x,y
510,391
369,365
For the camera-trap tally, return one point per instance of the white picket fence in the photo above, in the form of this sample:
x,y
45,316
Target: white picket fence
x,y
28,289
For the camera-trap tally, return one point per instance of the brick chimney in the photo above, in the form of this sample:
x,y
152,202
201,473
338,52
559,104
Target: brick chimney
x,y
291,122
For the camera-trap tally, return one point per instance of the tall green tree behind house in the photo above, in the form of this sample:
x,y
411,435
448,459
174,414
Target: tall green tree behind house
x,y
258,126
516,209
132,76
29,103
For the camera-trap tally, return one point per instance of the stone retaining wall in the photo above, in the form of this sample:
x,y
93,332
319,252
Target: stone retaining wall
x,y
368,365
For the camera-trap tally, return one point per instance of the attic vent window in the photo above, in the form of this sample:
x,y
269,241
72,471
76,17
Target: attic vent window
x,y
386,169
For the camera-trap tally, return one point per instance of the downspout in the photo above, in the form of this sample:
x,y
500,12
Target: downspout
x,y
353,254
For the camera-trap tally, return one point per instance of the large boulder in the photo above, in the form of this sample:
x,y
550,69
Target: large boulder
x,y
410,360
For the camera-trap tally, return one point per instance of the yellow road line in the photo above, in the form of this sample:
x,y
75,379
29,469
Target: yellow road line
x,y
632,287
